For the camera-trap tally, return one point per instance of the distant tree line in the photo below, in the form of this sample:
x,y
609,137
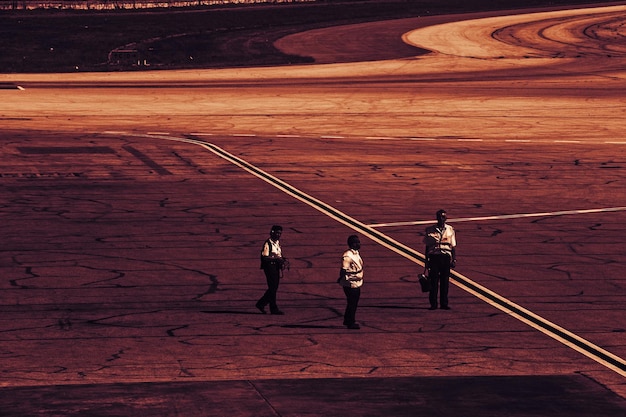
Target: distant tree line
x,y
126,4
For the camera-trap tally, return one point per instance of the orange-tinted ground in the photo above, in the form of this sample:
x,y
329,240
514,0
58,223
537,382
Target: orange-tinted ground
x,y
131,254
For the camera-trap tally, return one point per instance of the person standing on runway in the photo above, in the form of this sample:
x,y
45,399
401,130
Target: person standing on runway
x,y
351,279
440,240
272,263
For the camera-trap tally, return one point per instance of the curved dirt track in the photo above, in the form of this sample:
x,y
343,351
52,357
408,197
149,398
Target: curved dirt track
x,y
566,34
343,98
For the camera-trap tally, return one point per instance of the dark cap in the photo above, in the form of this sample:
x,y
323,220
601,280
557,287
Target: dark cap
x,y
352,238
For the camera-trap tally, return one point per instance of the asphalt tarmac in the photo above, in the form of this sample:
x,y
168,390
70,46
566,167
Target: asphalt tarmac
x,y
134,209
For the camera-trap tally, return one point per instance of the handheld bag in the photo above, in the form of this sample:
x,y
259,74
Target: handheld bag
x,y
424,282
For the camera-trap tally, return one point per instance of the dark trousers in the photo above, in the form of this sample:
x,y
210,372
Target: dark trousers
x,y
272,275
439,275
352,296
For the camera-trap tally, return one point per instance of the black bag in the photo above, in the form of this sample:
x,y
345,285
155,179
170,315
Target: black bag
x,y
424,282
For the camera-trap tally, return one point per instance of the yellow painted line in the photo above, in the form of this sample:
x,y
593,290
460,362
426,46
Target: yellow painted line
x,y
577,343
505,216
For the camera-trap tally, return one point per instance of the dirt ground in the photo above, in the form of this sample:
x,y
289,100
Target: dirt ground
x,y
46,41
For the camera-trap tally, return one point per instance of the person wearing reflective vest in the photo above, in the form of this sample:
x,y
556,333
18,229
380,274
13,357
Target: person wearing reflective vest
x,y
272,263
351,279
440,241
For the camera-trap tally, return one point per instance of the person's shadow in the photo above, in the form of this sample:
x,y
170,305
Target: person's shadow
x,y
230,312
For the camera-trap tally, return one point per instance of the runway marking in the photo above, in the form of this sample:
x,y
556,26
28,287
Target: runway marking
x,y
150,163
535,321
114,132
400,138
505,216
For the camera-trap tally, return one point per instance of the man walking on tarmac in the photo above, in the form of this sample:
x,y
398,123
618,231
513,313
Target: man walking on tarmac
x,y
351,279
272,263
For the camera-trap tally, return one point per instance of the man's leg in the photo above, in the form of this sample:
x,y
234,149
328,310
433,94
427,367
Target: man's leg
x,y
273,279
352,298
444,282
433,276
269,297
265,298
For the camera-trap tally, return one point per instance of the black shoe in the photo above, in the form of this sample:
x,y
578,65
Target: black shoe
x,y
432,308
353,326
261,308
277,313
445,307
